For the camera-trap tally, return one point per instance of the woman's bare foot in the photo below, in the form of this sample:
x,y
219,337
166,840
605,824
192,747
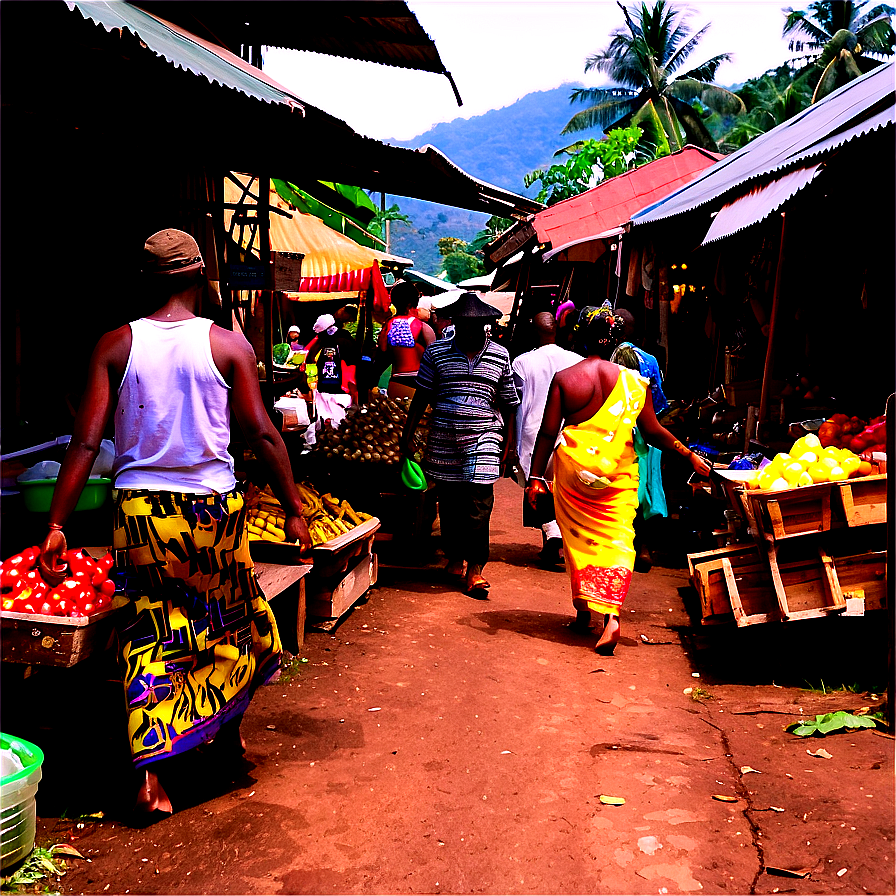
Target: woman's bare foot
x,y
151,796
582,622
609,637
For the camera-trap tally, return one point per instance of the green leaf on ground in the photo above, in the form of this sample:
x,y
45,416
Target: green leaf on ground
x,y
829,723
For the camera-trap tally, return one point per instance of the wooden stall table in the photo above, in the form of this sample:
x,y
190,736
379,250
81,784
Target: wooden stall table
x,y
278,579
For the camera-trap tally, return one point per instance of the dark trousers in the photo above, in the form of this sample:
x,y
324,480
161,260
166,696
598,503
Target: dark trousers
x,y
465,509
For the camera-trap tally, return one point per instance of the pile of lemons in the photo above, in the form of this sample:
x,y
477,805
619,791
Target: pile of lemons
x,y
808,463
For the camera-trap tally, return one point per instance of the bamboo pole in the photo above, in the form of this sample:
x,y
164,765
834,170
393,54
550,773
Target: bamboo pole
x,y
770,350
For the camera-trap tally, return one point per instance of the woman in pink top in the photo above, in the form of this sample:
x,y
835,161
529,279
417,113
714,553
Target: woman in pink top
x,y
404,338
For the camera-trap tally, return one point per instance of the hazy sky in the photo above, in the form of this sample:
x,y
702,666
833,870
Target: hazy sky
x,y
500,50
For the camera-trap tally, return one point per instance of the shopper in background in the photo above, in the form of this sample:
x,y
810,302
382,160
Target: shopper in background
x,y
197,637
533,372
469,384
403,340
293,338
651,495
595,469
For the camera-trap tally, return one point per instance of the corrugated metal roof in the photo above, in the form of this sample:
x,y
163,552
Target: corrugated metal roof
x,y
385,32
758,204
327,146
859,107
611,203
187,51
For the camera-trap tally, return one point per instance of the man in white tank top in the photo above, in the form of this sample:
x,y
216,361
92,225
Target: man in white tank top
x,y
172,380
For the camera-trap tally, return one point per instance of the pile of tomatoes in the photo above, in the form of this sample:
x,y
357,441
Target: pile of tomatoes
x,y
86,589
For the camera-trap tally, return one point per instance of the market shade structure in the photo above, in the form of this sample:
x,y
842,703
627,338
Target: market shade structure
x,y
789,153
602,211
332,264
385,32
116,49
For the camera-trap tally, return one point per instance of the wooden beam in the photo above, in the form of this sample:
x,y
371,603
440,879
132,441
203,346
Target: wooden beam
x,y
770,350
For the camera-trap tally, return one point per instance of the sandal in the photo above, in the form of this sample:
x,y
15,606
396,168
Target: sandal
x,y
476,582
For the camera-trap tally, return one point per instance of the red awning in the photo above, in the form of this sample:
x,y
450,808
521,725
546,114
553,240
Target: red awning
x,y
609,205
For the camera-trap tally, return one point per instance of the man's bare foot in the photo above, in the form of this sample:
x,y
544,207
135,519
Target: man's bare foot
x,y
455,567
582,622
475,583
609,637
151,796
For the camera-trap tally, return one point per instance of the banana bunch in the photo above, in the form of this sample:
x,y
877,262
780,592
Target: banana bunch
x,y
326,517
267,518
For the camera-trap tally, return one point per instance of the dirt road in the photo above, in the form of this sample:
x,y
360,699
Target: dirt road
x,y
438,744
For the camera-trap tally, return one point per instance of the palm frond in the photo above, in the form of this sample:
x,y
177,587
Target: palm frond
x,y
707,71
694,129
594,96
797,23
600,116
716,98
877,37
685,50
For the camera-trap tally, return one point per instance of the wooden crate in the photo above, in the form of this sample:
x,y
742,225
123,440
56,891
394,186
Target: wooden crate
x,y
806,588
791,512
751,593
709,580
329,603
38,640
333,558
863,500
863,577
286,583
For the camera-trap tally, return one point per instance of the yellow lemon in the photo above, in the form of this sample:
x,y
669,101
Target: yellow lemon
x,y
830,451
819,472
809,457
765,479
782,458
792,472
798,447
805,479
850,465
812,441
837,473
865,468
831,462
780,484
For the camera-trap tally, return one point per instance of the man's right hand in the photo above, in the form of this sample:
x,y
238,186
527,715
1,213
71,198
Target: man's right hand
x,y
297,532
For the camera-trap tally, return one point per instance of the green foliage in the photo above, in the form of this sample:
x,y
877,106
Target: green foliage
x,y
829,723
377,226
39,865
460,266
770,100
642,58
589,163
813,29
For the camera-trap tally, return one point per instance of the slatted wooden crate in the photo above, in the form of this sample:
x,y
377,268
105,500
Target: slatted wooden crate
x,y
792,512
864,577
751,593
863,500
806,587
709,580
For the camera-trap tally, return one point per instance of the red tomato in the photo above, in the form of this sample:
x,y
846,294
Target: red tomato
x,y
98,577
86,609
85,594
106,562
107,587
31,577
10,576
40,590
26,607
25,560
71,586
76,612
45,609
100,602
62,607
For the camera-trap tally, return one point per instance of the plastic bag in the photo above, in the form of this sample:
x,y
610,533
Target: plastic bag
x,y
46,469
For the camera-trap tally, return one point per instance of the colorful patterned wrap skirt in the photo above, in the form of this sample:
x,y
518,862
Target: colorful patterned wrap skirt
x,y
197,637
596,498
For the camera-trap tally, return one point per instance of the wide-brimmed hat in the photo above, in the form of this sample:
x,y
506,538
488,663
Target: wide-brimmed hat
x,y
470,307
171,252
324,322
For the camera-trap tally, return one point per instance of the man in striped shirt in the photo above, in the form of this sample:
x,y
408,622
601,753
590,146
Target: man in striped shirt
x,y
468,382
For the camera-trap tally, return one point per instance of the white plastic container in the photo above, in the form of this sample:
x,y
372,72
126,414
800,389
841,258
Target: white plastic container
x,y
18,810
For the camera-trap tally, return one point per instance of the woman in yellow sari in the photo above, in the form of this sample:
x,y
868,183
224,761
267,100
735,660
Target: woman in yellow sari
x,y
596,468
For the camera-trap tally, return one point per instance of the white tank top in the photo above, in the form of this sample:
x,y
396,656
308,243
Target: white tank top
x,y
172,423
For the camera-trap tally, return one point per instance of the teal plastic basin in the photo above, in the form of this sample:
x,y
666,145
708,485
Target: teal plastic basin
x,y
18,809
38,493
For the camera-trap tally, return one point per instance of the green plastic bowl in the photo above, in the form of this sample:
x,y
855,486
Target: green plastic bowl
x,y
38,493
18,816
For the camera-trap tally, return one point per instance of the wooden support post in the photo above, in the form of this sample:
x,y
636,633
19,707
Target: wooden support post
x,y
770,350
891,558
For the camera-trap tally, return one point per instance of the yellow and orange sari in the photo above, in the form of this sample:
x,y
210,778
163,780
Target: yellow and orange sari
x,y
596,498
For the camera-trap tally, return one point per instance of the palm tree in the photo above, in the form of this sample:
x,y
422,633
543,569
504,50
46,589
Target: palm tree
x,y
842,39
642,58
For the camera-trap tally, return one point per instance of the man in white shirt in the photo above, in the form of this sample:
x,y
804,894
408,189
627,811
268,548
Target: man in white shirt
x,y
533,372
